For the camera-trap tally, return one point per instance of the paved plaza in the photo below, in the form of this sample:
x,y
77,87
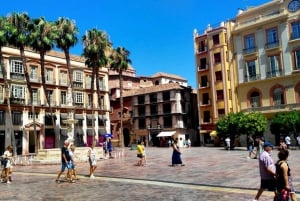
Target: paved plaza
x,y
209,174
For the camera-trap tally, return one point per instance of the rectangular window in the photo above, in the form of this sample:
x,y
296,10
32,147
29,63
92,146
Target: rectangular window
x,y
249,41
89,103
274,66
33,73
141,99
272,36
220,95
18,92
79,97
49,75
218,76
166,96
141,111
88,80
16,67
1,94
205,99
2,117
216,39
77,76
35,96
295,30
51,97
153,98
204,81
17,118
63,97
203,64
251,70
297,60
63,78
167,121
217,57
206,116
142,123
30,115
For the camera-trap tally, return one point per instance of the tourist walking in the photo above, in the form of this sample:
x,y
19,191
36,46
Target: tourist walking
x,y
285,188
140,153
65,163
227,141
73,166
259,146
92,160
109,148
176,156
267,171
8,165
105,150
287,140
250,147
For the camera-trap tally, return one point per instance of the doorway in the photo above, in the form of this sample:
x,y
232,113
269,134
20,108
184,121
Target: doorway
x,y
31,142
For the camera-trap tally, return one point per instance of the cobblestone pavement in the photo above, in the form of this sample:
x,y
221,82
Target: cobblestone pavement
x,y
209,174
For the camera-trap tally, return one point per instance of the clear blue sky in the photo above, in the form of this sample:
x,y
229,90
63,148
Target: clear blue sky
x,y
158,33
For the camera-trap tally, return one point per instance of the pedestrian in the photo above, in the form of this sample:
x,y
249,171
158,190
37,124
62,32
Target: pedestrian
x,y
267,171
298,141
140,153
283,177
92,160
282,145
287,140
105,150
65,163
7,165
109,148
227,141
189,143
250,146
176,156
73,166
259,146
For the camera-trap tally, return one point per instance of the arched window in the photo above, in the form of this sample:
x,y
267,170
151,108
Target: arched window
x,y
278,98
255,99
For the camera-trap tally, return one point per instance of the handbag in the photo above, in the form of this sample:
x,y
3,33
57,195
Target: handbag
x,y
283,195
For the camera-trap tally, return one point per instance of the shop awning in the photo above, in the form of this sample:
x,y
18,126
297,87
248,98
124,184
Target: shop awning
x,y
166,133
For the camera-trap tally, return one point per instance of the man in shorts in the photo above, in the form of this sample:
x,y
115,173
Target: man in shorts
x,y
267,171
65,162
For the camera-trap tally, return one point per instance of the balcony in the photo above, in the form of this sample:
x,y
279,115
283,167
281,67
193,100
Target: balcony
x,y
252,78
274,73
274,109
272,45
249,50
203,67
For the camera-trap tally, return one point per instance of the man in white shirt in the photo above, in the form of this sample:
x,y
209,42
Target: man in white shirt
x,y
287,140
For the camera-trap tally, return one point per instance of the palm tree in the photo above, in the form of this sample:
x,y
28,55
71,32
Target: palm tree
x,y
67,38
19,38
4,37
96,44
120,62
42,35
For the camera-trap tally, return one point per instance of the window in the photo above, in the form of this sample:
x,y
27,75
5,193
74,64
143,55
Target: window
x,y
278,96
272,37
251,71
63,97
49,75
2,117
153,109
101,83
220,95
206,116
255,99
167,121
297,60
1,93
295,30
17,118
30,115
153,98
249,41
141,99
167,108
204,81
16,67
50,96
202,46
203,64
79,97
33,73
142,123
141,111
221,112
18,92
77,76
88,80
218,76
166,96
217,57
35,96
63,78
205,99
216,39
274,66
89,102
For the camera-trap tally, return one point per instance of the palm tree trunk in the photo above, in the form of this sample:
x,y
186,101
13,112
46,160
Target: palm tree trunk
x,y
42,61
121,105
7,94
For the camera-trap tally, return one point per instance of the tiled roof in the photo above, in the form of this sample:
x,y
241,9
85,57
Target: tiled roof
x,y
156,88
161,74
